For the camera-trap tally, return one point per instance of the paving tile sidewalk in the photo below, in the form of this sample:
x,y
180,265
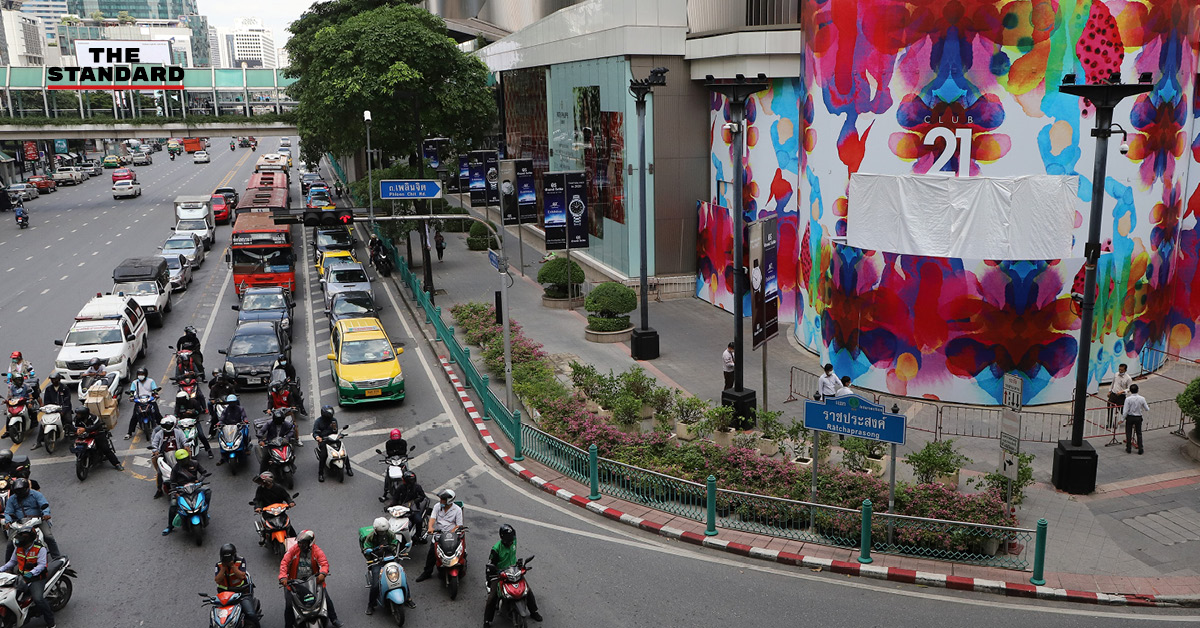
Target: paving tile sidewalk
x,y
1129,537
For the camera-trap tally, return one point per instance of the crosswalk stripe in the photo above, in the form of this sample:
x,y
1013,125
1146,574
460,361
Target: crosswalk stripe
x,y
462,478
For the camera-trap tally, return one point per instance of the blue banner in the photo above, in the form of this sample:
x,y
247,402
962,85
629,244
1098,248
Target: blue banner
x,y
554,207
464,174
854,416
491,166
478,177
60,147
526,192
431,154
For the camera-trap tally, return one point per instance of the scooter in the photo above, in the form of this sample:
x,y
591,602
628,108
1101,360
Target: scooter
x,y
335,453
52,427
307,599
172,156
88,454
394,477
281,460
22,215
192,503
110,381
16,606
188,383
234,441
145,410
451,554
279,394
19,421
185,363
513,592
191,431
274,526
402,525
393,582
380,260
227,609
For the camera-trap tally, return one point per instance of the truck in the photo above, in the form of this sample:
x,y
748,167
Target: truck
x,y
190,211
68,176
193,144
111,328
148,281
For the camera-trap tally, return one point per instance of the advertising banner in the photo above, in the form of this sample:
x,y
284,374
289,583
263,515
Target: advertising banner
x,y
554,207
464,174
526,192
577,211
60,147
31,151
99,53
491,167
508,192
430,150
764,281
478,176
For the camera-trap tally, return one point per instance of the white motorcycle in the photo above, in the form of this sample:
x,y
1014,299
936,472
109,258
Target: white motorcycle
x,y
336,458
20,418
191,433
52,426
110,381
16,604
401,526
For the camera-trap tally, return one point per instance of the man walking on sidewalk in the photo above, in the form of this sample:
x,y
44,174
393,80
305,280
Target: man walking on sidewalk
x,y
1135,408
828,383
727,359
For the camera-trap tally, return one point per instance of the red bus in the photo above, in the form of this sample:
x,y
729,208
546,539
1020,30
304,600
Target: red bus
x,y
269,201
261,253
270,180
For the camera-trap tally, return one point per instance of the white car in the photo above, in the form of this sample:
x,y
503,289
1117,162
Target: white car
x,y
186,244
24,191
200,157
126,189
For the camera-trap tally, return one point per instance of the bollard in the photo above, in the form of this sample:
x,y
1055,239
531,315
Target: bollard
x,y
864,554
516,439
483,392
1039,554
468,368
594,471
711,530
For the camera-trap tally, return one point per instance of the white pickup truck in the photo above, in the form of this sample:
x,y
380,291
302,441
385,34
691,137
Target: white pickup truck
x,y
69,175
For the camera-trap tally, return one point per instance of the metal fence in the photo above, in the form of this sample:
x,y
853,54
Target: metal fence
x,y
956,541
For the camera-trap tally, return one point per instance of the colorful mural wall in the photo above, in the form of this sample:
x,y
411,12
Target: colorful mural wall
x,y
896,87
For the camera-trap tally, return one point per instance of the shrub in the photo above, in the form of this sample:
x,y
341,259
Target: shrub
x,y
479,238
1189,402
611,300
599,323
585,378
936,459
856,451
636,382
555,277
997,481
716,418
689,410
626,409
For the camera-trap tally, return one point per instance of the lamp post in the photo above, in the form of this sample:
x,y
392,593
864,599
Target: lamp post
x,y
370,176
644,343
737,91
1075,461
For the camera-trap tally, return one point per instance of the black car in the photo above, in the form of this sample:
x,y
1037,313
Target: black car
x,y
332,239
253,350
351,304
230,195
307,179
266,304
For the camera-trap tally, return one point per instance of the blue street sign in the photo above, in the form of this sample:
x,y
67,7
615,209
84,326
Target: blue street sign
x,y
405,189
854,416
494,259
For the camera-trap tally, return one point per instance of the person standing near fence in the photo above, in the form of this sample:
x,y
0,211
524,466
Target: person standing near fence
x,y
845,389
727,361
439,242
1119,388
1135,408
828,384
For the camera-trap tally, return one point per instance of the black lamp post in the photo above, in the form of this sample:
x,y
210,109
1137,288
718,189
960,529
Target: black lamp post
x,y
1075,461
737,91
644,344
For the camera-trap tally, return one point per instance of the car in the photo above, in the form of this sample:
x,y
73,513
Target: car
x,y
180,270
350,304
111,161
124,174
199,227
272,303
318,198
68,176
253,351
344,277
142,158
112,328
307,179
43,183
230,194
188,245
329,257
363,364
327,239
126,189
92,167
285,141
23,191
200,157
222,210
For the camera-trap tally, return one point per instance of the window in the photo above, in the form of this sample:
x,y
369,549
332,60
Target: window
x,y
257,344
367,351
179,244
253,302
326,239
275,257
136,287
353,306
347,275
93,336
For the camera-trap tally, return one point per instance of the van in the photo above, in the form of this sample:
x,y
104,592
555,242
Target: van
x,y
191,209
111,328
148,281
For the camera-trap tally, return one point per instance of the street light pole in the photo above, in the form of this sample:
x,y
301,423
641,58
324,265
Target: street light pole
x,y
738,91
644,343
1075,461
370,175
425,257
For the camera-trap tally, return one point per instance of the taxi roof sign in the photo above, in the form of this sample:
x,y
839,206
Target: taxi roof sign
x,y
362,327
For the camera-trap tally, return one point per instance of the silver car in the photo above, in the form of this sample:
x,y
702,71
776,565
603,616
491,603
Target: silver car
x,y
187,245
24,191
180,270
344,277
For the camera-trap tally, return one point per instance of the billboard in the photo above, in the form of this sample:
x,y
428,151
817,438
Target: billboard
x,y
104,53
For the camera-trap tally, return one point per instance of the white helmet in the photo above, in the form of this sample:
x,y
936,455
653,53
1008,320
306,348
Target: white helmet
x,y
167,422
380,525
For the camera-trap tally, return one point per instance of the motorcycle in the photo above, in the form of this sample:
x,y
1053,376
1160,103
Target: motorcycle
x,y
16,606
274,527
279,394
163,464
109,380
231,146
380,261
172,153
394,477
192,502
52,426
19,420
188,383
451,554
145,409
402,525
393,583
513,592
87,454
281,460
335,453
191,431
307,599
227,609
235,442
22,217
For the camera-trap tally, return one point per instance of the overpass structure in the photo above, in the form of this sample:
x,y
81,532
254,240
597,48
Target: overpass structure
x,y
170,127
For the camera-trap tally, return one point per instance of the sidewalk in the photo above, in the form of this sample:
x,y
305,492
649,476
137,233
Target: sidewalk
x,y
1138,535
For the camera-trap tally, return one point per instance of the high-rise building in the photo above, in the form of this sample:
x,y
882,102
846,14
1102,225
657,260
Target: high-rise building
x,y
50,12
175,31
148,9
214,48
248,43
22,40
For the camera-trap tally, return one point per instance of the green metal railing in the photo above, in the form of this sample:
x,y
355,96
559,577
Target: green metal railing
x,y
955,541
649,488
788,519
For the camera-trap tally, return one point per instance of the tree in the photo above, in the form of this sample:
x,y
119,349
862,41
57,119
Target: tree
x,y
96,15
125,18
387,57
70,19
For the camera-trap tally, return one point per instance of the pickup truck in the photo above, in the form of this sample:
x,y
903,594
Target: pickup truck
x,y
69,175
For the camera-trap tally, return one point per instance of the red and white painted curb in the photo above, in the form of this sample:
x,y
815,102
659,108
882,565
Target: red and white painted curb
x,y
893,574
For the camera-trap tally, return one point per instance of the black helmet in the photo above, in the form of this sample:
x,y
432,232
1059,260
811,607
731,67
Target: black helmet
x,y
93,363
189,330
20,487
409,477
6,456
228,552
326,412
507,534
81,413
25,536
142,371
278,415
276,386
18,379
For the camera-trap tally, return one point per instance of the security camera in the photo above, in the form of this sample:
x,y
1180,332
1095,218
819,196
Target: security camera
x,y
732,127
366,116
1124,148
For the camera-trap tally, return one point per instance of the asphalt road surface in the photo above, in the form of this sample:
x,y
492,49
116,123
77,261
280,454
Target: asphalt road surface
x,y
588,571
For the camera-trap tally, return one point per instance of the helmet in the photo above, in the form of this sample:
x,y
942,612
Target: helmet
x,y
306,537
81,413
395,434
216,372
93,363
507,534
326,412
182,454
228,552
6,456
447,495
266,477
409,477
380,525
25,537
16,355
56,377
142,371
18,379
20,487
278,415
189,330
181,395
231,399
276,386
167,422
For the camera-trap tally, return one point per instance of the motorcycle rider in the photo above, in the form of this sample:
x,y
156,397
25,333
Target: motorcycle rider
x,y
219,387
13,467
503,556
29,561
166,439
301,561
18,387
378,541
268,492
85,422
24,502
396,445
412,496
278,427
234,415
95,369
189,341
186,471
231,575
185,405
446,517
21,366
56,394
297,396
325,425
20,212
141,386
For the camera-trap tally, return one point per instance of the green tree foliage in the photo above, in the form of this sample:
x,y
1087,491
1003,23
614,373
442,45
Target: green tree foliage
x,y
124,17
386,57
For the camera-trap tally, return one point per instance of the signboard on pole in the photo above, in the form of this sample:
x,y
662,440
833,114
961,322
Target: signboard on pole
x,y
554,209
492,170
577,209
407,189
430,150
1010,467
526,192
464,174
854,416
60,147
31,151
509,211
764,281
1014,387
1010,431
478,178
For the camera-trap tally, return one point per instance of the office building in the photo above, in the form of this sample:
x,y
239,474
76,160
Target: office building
x,y
50,12
174,31
22,39
145,9
248,43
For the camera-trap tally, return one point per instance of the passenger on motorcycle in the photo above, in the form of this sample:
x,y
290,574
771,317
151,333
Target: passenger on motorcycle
x,y
18,387
165,440
143,386
378,541
186,406
301,561
21,366
231,574
191,342
29,561
503,556
87,423
446,517
293,387
24,503
278,427
186,471
325,425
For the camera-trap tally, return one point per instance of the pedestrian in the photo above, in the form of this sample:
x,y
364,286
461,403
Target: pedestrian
x,y
727,359
1119,388
439,242
1135,408
845,389
828,384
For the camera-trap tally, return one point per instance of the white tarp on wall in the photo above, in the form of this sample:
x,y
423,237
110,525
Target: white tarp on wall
x,y
1029,217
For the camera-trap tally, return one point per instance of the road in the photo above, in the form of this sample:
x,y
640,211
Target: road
x,y
588,571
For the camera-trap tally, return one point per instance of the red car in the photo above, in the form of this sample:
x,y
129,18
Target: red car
x,y
124,174
44,184
221,208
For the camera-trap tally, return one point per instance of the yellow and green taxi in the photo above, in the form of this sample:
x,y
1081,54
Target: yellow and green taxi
x,y
327,256
363,363
111,161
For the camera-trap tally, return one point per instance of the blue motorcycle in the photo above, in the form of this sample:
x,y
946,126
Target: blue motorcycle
x,y
192,503
235,444
393,591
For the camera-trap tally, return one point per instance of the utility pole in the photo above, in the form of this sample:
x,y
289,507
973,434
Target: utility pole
x,y
644,343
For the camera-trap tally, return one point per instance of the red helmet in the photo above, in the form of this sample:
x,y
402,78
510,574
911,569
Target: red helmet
x,y
396,434
16,355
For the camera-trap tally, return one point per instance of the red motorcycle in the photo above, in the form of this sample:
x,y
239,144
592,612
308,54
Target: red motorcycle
x,y
513,593
188,383
451,552
20,418
185,363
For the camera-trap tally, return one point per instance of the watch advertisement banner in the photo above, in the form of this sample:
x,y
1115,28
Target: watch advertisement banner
x,y
464,174
764,281
554,207
430,150
577,211
508,192
526,192
478,176
491,167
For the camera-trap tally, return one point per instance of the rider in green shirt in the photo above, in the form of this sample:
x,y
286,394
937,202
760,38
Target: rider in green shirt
x,y
503,556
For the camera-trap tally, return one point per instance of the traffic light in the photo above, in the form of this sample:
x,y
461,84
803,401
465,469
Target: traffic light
x,y
345,216
328,217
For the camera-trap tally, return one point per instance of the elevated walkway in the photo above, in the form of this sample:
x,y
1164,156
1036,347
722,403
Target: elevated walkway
x,y
171,127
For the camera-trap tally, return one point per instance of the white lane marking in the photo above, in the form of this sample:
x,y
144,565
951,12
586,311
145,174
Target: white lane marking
x,y
108,243
81,264
434,423
323,372
313,392
23,308
62,238
213,317
328,391
63,277
11,269
45,291
435,451
47,246
462,478
95,252
28,258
